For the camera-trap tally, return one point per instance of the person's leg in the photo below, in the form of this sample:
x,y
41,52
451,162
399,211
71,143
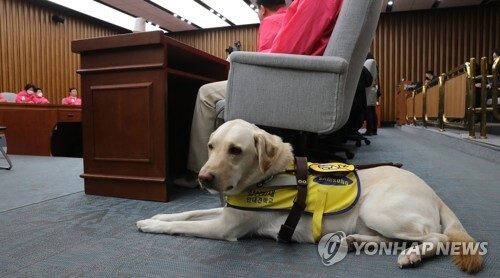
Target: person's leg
x,y
204,123
369,121
375,119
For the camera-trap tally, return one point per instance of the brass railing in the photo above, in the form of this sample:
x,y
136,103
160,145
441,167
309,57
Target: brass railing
x,y
426,110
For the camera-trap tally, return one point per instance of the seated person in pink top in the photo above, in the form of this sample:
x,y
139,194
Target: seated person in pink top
x,y
2,99
38,98
26,95
307,27
72,99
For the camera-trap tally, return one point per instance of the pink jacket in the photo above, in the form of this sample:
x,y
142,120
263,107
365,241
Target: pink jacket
x,y
24,97
307,27
40,100
268,29
72,101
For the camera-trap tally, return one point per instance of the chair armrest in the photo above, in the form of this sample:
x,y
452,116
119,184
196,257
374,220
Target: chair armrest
x,y
291,61
288,91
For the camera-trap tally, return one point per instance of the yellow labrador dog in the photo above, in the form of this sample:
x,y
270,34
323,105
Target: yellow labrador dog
x,y
394,203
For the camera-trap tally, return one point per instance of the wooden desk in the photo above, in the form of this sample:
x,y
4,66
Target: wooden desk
x,y
138,95
30,126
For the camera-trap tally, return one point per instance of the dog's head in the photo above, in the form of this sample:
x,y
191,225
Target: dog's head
x,y
241,154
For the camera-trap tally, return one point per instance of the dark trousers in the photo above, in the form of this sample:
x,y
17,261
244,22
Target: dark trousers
x,y
371,119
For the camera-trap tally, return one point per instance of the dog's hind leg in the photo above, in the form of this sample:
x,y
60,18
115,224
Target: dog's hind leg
x,y
409,227
193,215
428,248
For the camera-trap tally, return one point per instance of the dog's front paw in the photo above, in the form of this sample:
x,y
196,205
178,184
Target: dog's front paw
x,y
409,258
151,226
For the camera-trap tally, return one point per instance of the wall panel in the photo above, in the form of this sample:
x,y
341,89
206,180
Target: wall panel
x,y
35,49
216,41
406,44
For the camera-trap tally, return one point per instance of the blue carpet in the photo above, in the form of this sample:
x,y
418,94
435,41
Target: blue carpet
x,y
78,235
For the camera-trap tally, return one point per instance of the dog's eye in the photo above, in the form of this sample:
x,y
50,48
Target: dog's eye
x,y
234,150
210,147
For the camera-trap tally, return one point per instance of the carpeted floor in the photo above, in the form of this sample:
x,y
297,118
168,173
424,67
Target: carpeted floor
x,y
78,235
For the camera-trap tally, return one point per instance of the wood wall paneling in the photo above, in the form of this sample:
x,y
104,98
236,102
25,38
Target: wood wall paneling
x,y
34,49
216,41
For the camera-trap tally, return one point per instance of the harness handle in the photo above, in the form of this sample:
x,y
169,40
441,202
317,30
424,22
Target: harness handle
x,y
368,166
299,204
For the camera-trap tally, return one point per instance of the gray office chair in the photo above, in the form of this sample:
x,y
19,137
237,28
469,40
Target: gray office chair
x,y
304,93
3,144
10,97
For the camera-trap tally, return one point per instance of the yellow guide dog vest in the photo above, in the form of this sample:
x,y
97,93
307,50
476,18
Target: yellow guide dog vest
x,y
332,188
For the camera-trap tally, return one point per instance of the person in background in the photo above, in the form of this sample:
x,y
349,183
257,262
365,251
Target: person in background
x,y
489,92
371,97
26,95
309,38
429,76
237,46
2,99
72,99
229,50
38,97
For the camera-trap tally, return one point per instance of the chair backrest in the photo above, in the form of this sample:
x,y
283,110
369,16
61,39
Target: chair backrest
x,y
10,97
351,41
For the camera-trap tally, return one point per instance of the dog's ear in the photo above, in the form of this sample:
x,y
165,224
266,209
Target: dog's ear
x,y
267,150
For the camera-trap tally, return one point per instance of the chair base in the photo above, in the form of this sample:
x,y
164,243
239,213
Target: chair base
x,y
3,143
357,138
310,145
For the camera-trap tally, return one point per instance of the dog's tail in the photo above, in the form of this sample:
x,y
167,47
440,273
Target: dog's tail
x,y
467,261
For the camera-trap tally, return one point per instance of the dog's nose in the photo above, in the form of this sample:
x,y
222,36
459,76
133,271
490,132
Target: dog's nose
x,y
206,178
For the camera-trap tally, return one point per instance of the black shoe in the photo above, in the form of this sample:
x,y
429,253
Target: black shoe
x,y
189,180
368,134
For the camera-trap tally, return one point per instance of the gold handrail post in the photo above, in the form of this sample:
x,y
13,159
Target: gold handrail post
x,y
442,80
424,106
484,82
495,88
471,93
467,94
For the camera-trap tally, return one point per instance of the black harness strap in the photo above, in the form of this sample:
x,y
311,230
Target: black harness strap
x,y
299,204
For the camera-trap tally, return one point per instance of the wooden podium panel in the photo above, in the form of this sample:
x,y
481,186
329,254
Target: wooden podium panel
x,y
432,102
138,94
401,96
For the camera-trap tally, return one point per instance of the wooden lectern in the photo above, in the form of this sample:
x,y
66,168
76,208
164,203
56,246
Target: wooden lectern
x,y
138,94
401,95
